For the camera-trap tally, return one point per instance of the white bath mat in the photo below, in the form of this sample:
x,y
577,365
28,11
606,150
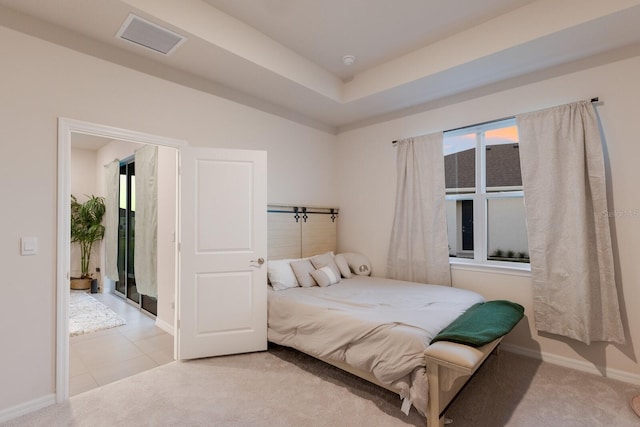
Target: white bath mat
x,y
87,314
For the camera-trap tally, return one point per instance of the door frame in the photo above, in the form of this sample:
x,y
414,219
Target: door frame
x,y
67,127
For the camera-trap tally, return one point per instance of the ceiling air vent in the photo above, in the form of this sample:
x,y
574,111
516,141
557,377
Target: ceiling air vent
x,y
152,36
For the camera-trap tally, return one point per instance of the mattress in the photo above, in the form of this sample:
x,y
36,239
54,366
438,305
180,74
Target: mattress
x,y
376,325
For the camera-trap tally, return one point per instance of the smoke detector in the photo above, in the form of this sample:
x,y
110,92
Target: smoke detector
x,y
348,60
147,34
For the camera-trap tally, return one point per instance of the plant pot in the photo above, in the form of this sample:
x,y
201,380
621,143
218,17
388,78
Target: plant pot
x,y
80,284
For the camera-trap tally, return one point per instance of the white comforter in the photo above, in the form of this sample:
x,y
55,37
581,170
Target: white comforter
x,y
373,324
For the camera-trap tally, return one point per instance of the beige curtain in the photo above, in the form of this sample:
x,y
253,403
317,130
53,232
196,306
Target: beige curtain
x,y
563,176
418,250
111,200
146,225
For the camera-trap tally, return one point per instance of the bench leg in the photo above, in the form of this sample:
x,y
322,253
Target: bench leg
x,y
433,404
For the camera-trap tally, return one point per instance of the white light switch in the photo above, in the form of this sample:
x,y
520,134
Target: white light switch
x,y
29,246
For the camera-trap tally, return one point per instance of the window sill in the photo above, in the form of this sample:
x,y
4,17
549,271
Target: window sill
x,y
513,268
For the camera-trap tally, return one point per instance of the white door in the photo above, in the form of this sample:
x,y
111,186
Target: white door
x,y
221,298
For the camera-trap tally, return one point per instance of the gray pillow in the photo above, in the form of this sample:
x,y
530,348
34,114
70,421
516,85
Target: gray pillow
x,y
325,276
343,266
302,269
325,260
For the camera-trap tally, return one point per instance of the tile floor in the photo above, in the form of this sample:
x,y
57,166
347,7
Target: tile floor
x,y
106,356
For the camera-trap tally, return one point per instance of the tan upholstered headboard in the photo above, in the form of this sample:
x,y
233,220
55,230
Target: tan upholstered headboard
x,y
300,231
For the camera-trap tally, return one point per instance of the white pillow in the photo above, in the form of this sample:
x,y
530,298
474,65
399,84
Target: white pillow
x,y
343,266
281,275
325,276
358,263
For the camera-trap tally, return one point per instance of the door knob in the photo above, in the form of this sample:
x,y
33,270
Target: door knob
x,y
260,261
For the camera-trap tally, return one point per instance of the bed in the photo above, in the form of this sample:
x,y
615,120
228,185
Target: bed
x,y
378,329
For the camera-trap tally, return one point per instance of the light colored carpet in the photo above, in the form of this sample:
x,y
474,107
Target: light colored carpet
x,y
87,314
286,388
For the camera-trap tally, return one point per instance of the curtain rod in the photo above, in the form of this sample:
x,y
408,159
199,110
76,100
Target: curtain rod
x,y
596,99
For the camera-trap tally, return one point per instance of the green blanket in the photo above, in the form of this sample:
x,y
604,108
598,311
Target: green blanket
x,y
482,323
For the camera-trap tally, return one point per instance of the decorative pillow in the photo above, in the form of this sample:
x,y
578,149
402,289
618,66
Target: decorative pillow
x,y
358,263
325,260
302,269
325,276
343,266
280,274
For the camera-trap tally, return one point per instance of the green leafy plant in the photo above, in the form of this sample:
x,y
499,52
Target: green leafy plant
x,y
86,227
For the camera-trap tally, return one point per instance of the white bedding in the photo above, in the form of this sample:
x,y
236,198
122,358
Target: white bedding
x,y
373,324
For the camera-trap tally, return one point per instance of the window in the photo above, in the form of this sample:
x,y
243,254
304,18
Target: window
x,y
484,198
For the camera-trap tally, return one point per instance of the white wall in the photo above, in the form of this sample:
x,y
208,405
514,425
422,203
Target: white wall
x,y
82,175
82,183
507,229
367,176
40,82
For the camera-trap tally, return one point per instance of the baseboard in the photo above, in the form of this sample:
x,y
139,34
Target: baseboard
x,y
578,365
165,326
27,407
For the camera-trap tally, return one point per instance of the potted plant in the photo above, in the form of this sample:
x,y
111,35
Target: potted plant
x,y
86,229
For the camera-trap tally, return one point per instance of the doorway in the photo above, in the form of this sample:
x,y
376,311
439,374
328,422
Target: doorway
x,y
66,129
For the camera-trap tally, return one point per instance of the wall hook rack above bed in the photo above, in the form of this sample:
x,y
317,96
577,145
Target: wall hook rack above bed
x,y
304,210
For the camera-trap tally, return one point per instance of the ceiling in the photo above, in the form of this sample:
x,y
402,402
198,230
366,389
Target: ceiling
x,y
285,56
84,141
374,31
